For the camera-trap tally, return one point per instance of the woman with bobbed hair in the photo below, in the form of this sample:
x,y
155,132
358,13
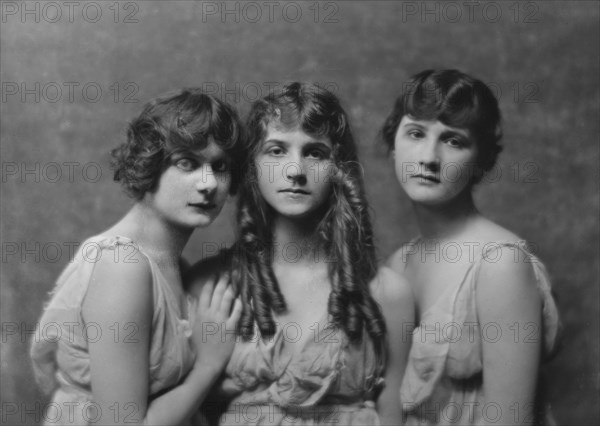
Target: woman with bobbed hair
x,y
118,345
313,342
485,313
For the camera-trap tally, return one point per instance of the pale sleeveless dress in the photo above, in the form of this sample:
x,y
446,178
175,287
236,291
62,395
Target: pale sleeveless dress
x,y
59,350
443,379
328,381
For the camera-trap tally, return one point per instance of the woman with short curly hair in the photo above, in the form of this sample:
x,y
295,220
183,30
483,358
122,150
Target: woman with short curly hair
x,y
118,346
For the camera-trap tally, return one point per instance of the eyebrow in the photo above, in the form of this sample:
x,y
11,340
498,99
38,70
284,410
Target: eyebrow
x,y
200,157
317,144
445,133
412,123
460,133
310,143
275,141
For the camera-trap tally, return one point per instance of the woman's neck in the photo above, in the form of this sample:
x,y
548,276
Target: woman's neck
x,y
447,220
158,237
296,240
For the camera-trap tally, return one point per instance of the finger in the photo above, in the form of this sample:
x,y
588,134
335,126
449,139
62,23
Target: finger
x,y
192,304
219,291
236,313
226,301
205,293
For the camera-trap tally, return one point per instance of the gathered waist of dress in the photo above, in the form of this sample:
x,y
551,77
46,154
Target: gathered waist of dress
x,y
67,386
271,413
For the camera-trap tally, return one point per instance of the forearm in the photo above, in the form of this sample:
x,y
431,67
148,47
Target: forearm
x,y
388,406
508,408
395,298
179,404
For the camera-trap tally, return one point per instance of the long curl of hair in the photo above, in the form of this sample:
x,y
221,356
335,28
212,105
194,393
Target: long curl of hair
x,y
345,227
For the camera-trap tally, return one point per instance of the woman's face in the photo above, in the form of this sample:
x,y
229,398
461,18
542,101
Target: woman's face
x,y
193,189
434,162
293,171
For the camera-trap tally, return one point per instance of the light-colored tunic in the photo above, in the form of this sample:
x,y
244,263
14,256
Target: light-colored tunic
x,y
443,379
327,381
59,351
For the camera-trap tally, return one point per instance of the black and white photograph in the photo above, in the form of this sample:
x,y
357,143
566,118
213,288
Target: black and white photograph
x,y
300,212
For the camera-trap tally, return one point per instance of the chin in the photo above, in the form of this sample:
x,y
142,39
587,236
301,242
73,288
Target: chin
x,y
198,222
426,198
295,212
433,199
203,224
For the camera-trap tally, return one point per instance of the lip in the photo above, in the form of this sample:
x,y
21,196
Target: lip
x,y
203,206
296,191
428,177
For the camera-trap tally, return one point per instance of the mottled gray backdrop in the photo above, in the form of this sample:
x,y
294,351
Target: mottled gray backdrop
x,y
74,73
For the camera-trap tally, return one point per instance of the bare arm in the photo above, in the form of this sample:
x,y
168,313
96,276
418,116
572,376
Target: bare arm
x,y
394,295
509,310
121,294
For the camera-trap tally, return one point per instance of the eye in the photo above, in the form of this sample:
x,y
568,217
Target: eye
x,y
415,134
455,142
186,164
220,166
317,154
275,151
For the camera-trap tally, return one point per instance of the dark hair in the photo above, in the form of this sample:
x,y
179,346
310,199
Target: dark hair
x,y
345,227
457,100
167,125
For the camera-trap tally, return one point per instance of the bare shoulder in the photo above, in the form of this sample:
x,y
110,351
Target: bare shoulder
x,y
506,284
499,258
488,231
205,271
120,288
391,290
504,269
133,270
502,265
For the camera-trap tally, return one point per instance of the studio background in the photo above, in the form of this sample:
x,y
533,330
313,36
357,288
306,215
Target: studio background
x,y
540,57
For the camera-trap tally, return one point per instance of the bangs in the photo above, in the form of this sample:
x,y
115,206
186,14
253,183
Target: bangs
x,y
316,122
455,106
313,118
193,124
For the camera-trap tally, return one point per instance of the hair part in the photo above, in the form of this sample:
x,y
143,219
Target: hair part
x,y
186,120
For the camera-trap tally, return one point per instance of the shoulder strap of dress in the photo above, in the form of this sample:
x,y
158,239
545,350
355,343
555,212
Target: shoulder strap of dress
x,y
520,245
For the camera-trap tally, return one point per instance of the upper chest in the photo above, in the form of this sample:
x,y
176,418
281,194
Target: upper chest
x,y
434,277
171,283
306,292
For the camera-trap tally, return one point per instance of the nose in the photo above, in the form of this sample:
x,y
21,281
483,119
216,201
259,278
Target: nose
x,y
295,172
428,155
206,180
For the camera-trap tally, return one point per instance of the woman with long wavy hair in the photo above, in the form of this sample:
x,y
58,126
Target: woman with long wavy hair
x,y
313,346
